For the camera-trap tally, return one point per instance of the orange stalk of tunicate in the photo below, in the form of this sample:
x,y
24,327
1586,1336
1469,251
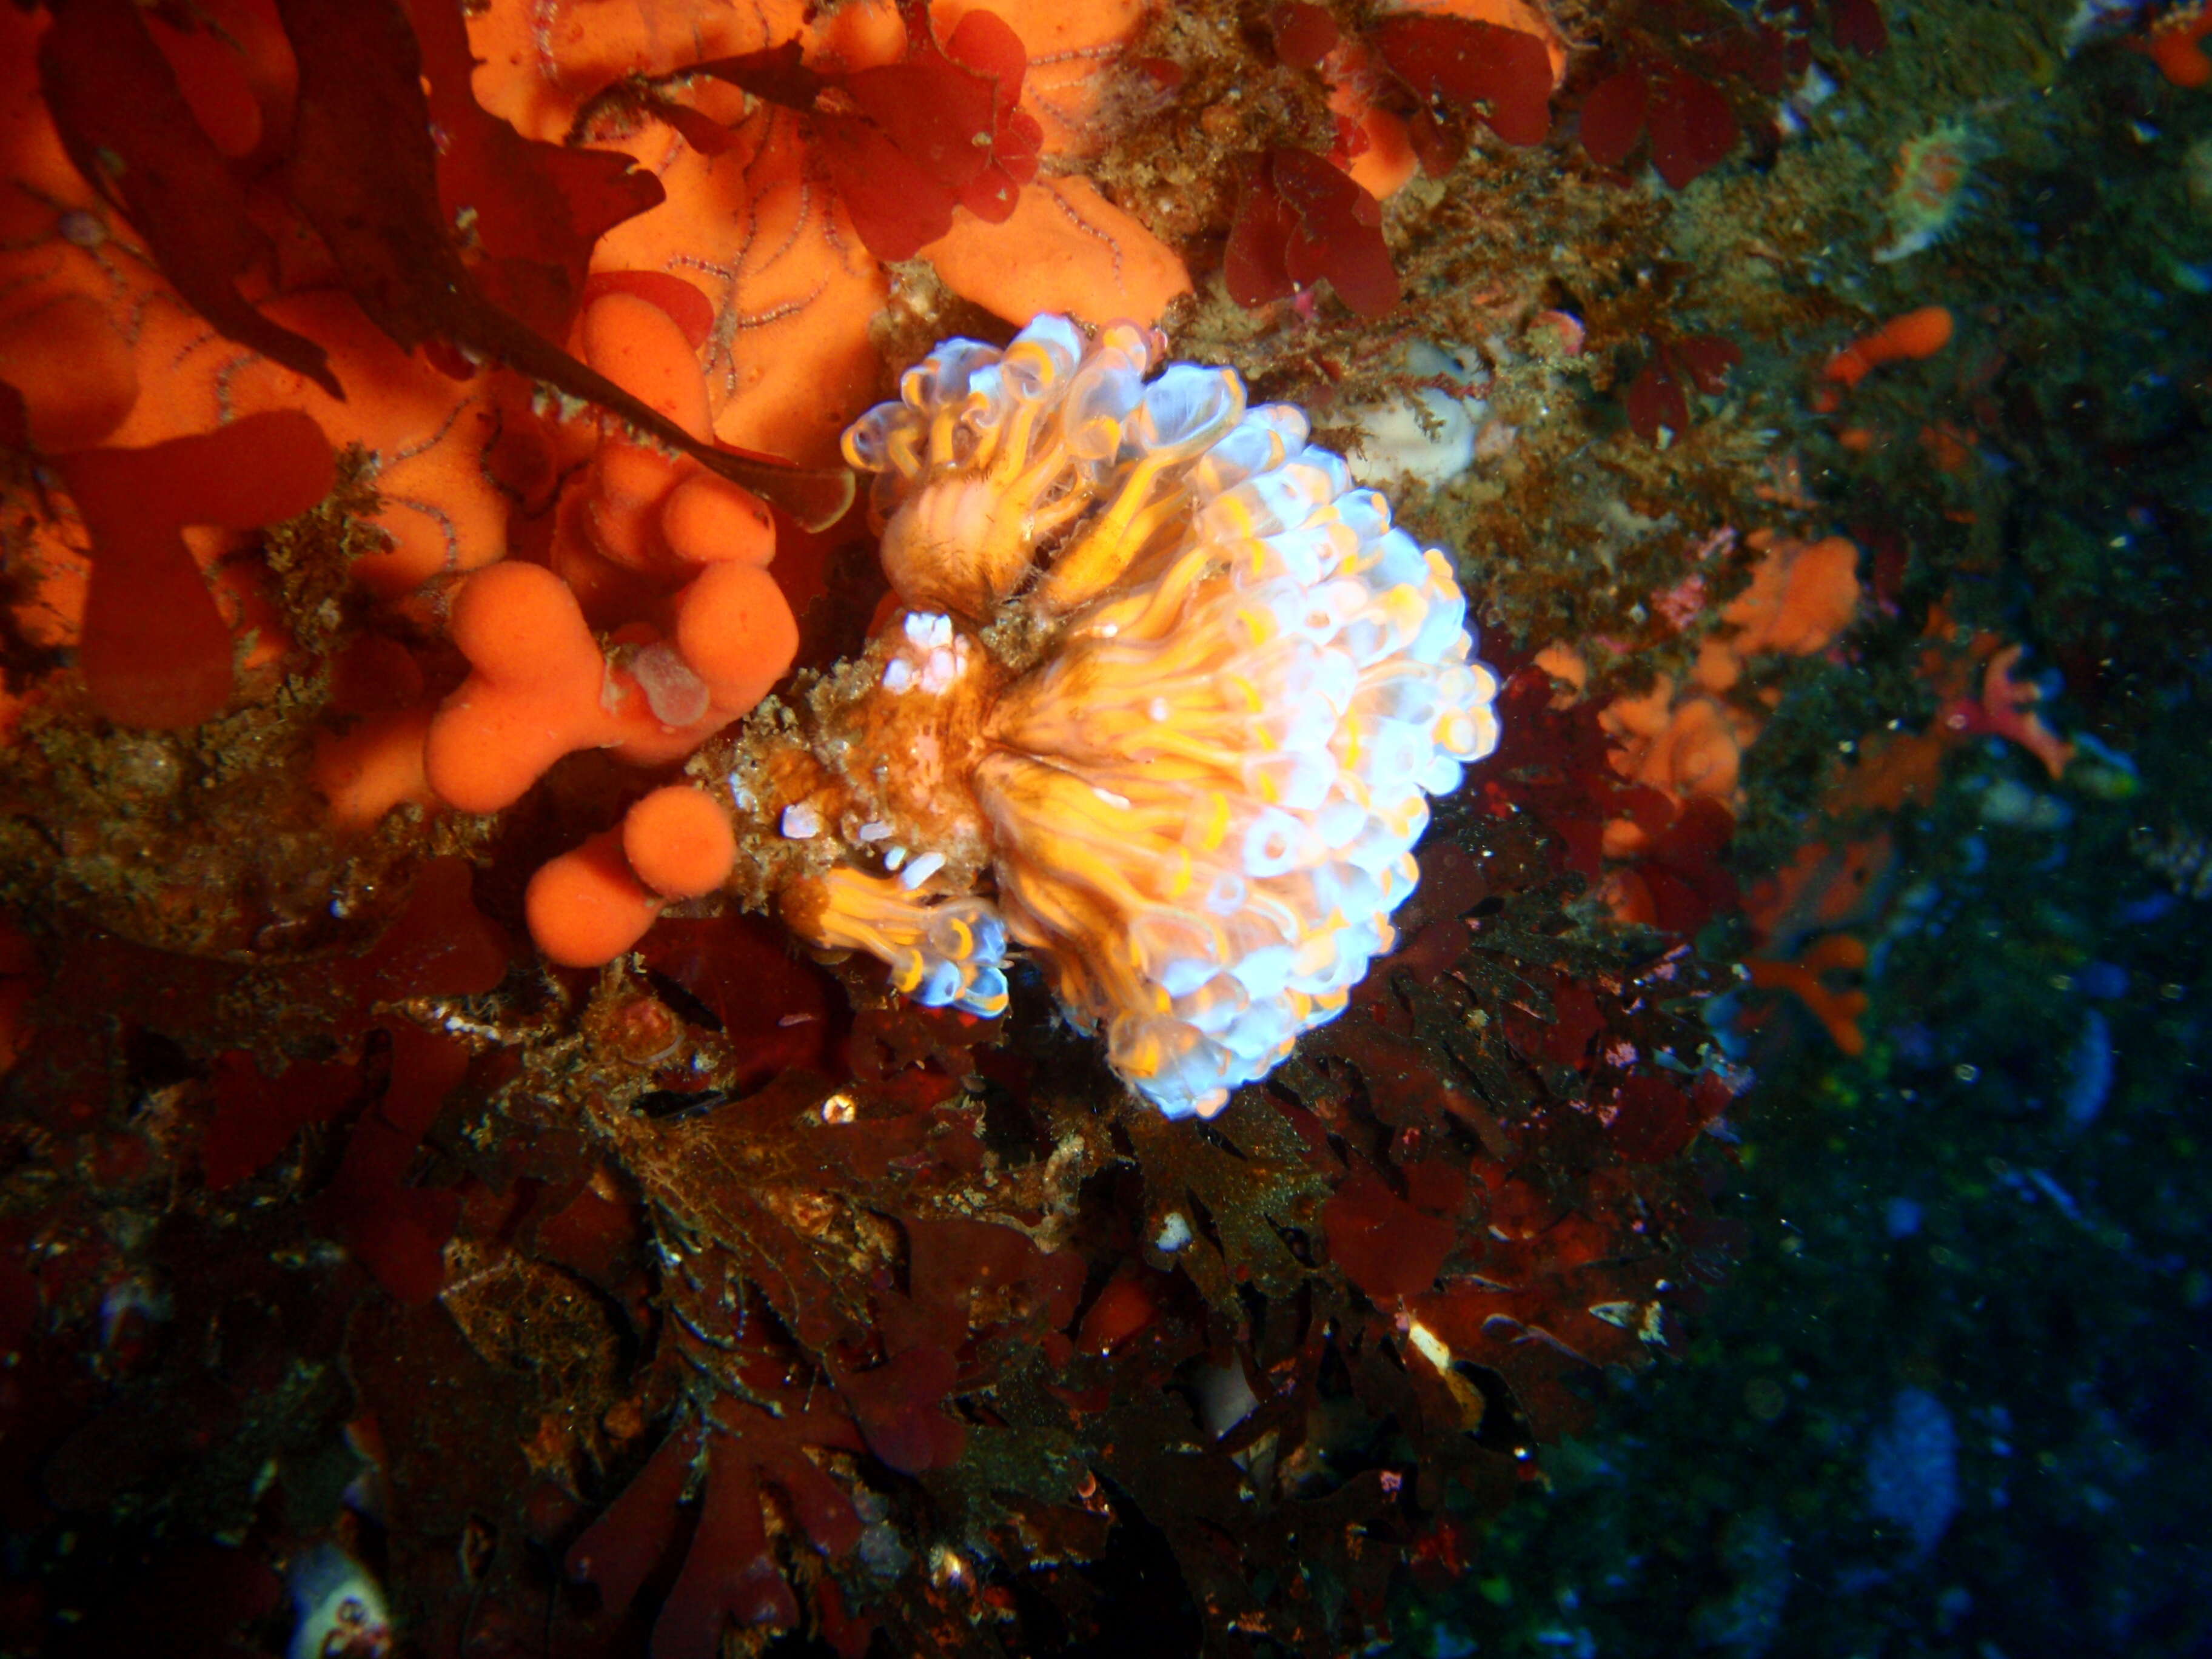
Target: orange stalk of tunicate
x,y
737,633
590,905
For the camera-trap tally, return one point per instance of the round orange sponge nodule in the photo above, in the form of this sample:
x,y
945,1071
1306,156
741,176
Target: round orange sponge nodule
x,y
735,630
638,346
680,841
520,623
709,521
586,907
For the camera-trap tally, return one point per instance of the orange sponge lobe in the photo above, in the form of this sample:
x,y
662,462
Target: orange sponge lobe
x,y
680,841
586,907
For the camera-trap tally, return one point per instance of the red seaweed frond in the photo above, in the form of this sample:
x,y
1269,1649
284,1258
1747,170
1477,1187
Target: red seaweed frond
x,y
906,143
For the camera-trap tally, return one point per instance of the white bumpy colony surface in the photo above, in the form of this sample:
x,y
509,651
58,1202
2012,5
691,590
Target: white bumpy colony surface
x,y
1202,797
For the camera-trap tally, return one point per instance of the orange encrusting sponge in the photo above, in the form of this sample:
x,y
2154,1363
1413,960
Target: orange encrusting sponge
x,y
539,688
73,367
672,557
674,561
1920,333
377,766
1802,595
